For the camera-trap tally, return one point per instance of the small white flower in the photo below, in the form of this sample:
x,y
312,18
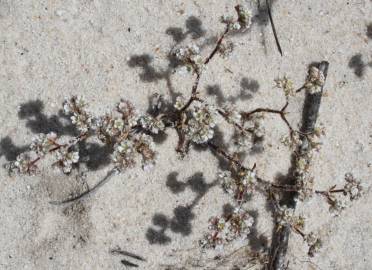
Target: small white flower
x,y
152,124
23,164
125,147
236,26
285,215
353,187
66,158
227,182
227,19
180,102
337,206
315,80
232,114
200,126
249,179
42,143
119,124
244,16
190,57
286,84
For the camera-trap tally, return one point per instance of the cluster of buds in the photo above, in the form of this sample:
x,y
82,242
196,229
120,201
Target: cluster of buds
x,y
124,154
245,181
292,141
353,187
314,81
304,180
242,141
286,85
180,103
66,158
200,126
190,57
285,216
231,114
244,17
242,23
126,150
152,124
128,112
80,117
119,129
336,205
305,187
43,143
116,125
223,230
23,164
255,124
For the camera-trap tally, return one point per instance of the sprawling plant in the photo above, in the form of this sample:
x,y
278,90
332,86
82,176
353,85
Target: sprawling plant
x,y
129,134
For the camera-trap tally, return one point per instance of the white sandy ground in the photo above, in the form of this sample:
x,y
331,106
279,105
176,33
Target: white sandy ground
x,y
52,49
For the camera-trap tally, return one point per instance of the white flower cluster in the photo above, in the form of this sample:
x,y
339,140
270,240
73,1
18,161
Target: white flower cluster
x,y
152,124
285,216
180,103
292,141
231,114
118,129
244,19
353,187
253,129
304,181
128,112
107,127
125,152
200,127
66,158
314,81
228,183
76,107
190,56
43,143
115,125
337,206
305,187
243,141
255,123
223,230
246,181
23,164
286,84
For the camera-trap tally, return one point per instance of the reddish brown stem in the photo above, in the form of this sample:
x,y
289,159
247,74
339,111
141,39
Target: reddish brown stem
x,y
297,230
223,153
240,127
280,112
218,44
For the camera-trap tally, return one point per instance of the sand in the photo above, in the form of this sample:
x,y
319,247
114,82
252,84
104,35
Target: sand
x,y
106,50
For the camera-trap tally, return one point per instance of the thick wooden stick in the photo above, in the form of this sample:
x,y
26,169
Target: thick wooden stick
x,y
281,234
